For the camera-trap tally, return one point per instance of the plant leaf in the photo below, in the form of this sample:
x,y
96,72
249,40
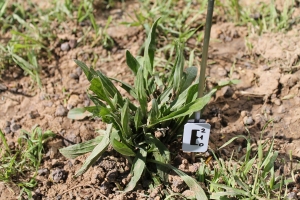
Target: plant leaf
x,y
122,148
132,63
85,69
137,169
187,109
138,118
99,89
190,75
125,120
150,48
140,91
192,183
96,153
126,87
160,153
80,149
79,113
178,68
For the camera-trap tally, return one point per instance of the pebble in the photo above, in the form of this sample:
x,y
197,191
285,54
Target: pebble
x,y
74,76
72,43
222,71
292,195
34,114
78,71
58,175
60,111
277,102
281,109
112,175
248,120
43,172
65,46
2,87
15,127
73,101
7,130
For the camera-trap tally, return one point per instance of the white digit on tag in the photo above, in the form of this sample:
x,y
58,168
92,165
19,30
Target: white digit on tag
x,y
195,137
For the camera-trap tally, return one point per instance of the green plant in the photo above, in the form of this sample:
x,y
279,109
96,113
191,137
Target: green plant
x,y
24,160
162,103
251,177
261,17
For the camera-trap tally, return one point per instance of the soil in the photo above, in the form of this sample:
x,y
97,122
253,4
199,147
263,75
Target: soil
x,y
266,101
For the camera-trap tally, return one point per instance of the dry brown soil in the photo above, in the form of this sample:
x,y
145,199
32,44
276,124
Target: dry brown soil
x,y
269,86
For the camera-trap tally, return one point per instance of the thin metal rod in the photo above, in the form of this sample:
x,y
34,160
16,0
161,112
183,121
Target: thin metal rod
x,y
208,24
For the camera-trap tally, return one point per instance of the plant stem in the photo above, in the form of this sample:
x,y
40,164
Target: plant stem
x,y
209,15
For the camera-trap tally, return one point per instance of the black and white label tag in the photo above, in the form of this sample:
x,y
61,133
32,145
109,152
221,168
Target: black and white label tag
x,y
195,137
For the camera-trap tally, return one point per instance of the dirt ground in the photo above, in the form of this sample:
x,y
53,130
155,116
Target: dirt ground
x,y
268,94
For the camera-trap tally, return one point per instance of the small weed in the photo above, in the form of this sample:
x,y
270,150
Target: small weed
x,y
251,177
17,164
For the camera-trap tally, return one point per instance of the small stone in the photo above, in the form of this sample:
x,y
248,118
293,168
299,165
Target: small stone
x,y
104,188
243,113
73,101
281,109
74,76
2,87
43,172
58,197
248,120
277,119
277,102
60,111
7,130
34,114
78,71
72,43
112,175
65,46
222,71
291,195
15,127
58,175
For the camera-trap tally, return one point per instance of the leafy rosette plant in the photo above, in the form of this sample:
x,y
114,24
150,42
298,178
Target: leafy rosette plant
x,y
163,103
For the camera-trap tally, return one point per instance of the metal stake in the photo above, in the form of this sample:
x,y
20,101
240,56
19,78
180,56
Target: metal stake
x,y
208,24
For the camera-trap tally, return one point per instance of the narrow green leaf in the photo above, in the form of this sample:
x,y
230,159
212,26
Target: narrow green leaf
x,y
150,48
270,164
96,153
187,109
160,153
192,183
99,89
190,75
140,91
80,149
182,98
230,190
125,120
122,148
85,69
154,112
79,113
126,87
178,68
110,88
138,119
132,63
232,139
137,169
